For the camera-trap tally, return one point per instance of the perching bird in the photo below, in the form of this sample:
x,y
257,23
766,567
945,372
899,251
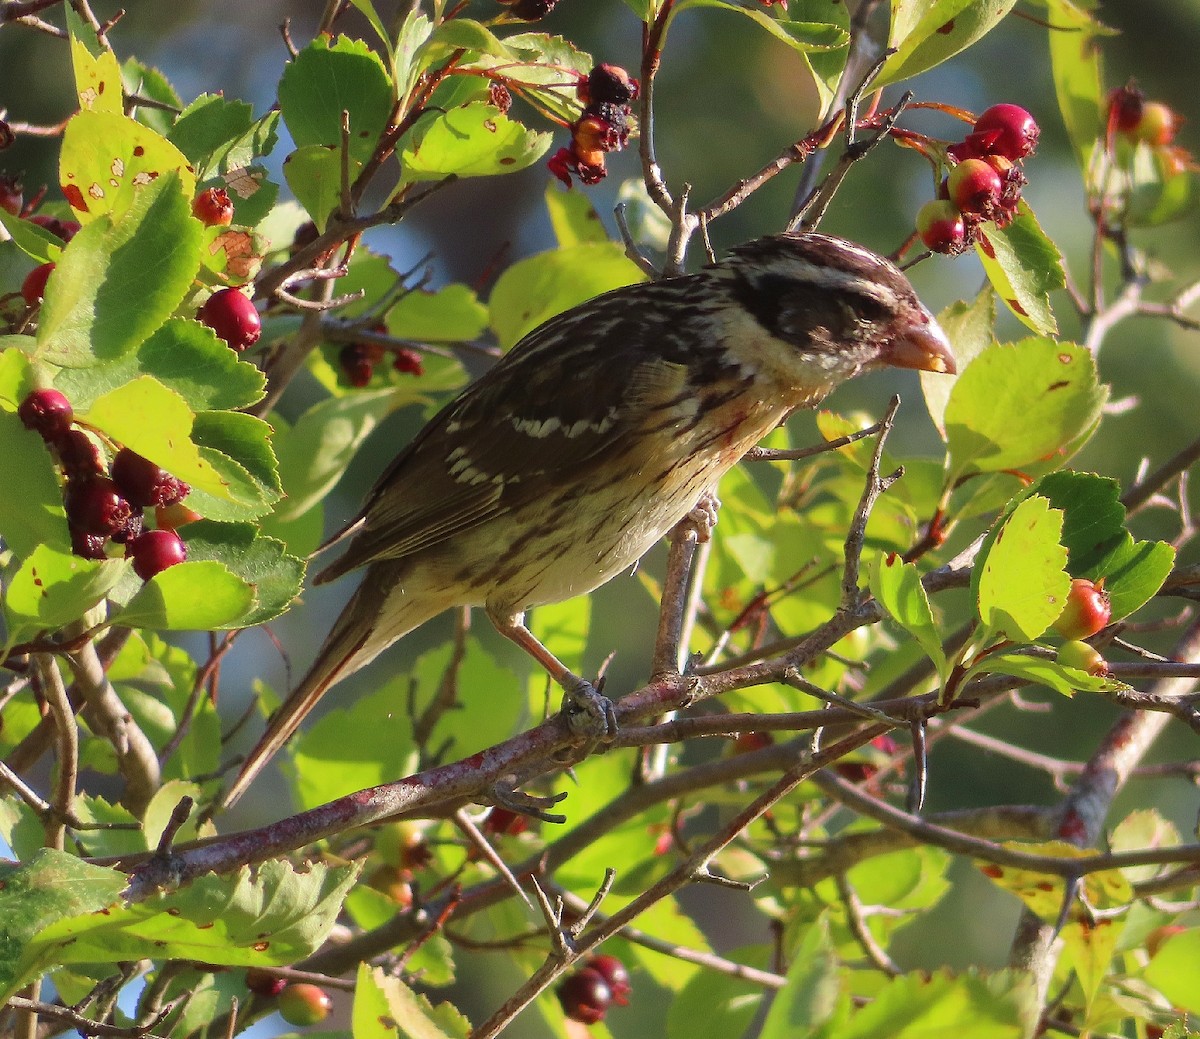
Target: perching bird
x,y
596,434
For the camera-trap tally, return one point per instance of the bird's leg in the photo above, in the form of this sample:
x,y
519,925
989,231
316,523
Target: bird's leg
x,y
589,714
703,516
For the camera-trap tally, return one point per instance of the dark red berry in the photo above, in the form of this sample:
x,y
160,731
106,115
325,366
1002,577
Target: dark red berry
x,y
64,229
530,10
96,506
12,193
154,551
231,314
613,971
358,360
213,207
975,187
47,412
748,742
1086,612
505,821
89,546
611,83
1125,105
264,983
33,288
78,455
302,1004
585,996
408,362
132,530
941,226
144,483
1015,129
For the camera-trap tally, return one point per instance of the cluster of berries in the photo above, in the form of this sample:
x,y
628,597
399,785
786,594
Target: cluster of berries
x,y
529,10
359,360
588,993
603,127
985,180
1138,121
12,199
105,506
1086,613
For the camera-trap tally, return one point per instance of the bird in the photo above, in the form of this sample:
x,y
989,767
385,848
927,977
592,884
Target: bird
x,y
585,444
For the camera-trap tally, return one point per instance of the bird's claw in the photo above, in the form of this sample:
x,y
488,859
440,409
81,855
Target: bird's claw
x,y
703,517
589,714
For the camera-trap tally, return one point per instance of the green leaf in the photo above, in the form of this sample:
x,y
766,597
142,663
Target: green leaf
x,y
1093,516
897,587
108,160
330,77
925,33
968,326
50,887
53,588
189,597
148,82
1172,970
262,562
1024,267
1075,66
714,1005
1022,582
573,217
31,239
367,9
246,440
97,71
34,517
1019,404
409,40
449,314
542,64
535,289
825,67
210,123
475,140
100,302
1133,572
314,173
265,917
1048,673
800,36
812,996
383,1003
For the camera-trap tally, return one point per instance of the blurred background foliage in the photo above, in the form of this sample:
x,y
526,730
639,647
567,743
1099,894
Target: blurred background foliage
x,y
730,98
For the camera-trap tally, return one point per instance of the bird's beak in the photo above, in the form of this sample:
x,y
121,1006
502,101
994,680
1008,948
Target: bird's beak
x,y
923,346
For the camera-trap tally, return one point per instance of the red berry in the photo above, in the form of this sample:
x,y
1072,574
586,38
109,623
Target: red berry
x,y
358,360
96,506
975,187
154,551
213,207
1083,657
941,226
1086,612
1158,126
132,530
89,546
747,742
64,229
46,412
302,1004
613,971
78,455
231,314
144,483
585,996
504,821
264,983
1016,130
33,288
174,516
408,362
12,196
1125,106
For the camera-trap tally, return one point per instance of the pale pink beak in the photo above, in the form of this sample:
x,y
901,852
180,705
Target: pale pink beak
x,y
923,346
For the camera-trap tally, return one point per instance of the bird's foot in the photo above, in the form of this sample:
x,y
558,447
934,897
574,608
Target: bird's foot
x,y
589,714
521,803
703,516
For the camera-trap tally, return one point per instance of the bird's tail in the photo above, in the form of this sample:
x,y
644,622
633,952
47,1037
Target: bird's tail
x,y
381,610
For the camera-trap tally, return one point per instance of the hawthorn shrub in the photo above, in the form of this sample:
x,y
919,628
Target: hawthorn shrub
x,y
446,845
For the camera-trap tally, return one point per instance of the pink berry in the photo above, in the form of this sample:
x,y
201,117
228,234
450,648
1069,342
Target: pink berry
x,y
585,996
33,288
941,226
1087,611
144,483
302,1004
1016,130
975,187
264,983
213,207
154,551
231,314
47,412
96,506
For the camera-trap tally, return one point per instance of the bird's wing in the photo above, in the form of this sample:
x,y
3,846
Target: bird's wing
x,y
517,434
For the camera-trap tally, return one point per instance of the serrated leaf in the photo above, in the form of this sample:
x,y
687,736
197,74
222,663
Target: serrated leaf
x,y
1093,516
209,123
314,173
100,303
191,596
247,440
36,242
262,562
811,996
535,289
1043,893
383,1003
1048,673
34,517
1023,582
409,40
897,587
148,82
573,217
1024,267
52,587
34,895
330,77
800,36
1133,572
97,71
968,326
927,33
1019,404
474,140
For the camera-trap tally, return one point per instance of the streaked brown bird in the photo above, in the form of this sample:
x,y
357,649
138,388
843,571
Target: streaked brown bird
x,y
595,435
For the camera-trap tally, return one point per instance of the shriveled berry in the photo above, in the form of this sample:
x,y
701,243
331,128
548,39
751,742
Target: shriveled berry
x,y
12,193
154,551
78,455
213,207
613,971
1083,656
174,516
585,996
64,229
1015,129
611,83
231,314
1086,612
408,362
303,1004
143,482
264,983
132,529
89,546
975,187
46,412
941,226
96,506
33,288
